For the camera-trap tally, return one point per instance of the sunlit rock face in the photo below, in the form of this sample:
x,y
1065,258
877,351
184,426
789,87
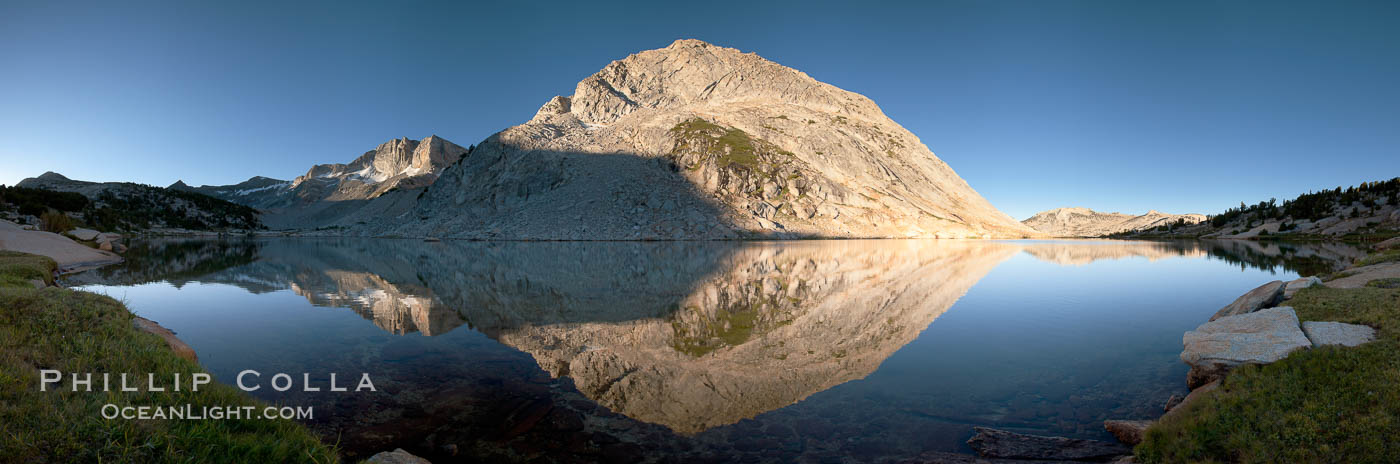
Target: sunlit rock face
x,y
398,163
1084,222
701,141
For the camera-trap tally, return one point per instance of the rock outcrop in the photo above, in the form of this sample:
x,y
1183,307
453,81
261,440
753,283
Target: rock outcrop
x,y
1262,297
83,234
68,254
1084,222
1260,337
399,163
176,345
700,141
1293,286
381,184
1128,432
1337,333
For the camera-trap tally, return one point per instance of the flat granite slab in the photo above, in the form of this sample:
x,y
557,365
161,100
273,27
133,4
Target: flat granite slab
x,y
1260,337
1337,333
1357,277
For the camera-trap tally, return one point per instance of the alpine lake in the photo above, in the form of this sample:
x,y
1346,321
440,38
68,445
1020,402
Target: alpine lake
x,y
796,351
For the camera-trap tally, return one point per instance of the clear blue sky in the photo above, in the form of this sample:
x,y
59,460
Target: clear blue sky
x,y
1118,106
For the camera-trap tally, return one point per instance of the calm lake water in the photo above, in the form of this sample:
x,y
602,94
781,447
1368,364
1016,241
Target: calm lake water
x,y
809,351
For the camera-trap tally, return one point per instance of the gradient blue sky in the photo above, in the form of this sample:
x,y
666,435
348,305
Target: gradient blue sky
x,y
1181,106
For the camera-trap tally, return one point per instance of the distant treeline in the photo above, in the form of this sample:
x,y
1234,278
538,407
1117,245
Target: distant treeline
x,y
34,202
132,206
1314,205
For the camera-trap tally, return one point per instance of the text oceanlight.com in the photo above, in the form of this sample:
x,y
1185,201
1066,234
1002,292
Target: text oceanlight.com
x,y
189,412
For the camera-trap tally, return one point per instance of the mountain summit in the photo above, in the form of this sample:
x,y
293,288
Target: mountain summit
x,y
701,141
398,163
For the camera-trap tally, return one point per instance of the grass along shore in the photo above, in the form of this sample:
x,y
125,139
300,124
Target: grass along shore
x,y
1328,404
75,331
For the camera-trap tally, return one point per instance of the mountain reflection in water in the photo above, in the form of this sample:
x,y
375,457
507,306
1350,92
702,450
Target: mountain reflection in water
x,y
688,335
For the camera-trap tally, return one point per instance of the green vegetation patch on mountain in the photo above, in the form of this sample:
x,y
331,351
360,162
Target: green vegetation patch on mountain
x,y
75,331
728,146
1328,404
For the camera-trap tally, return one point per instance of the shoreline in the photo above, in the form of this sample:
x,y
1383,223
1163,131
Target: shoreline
x,y
1233,391
87,332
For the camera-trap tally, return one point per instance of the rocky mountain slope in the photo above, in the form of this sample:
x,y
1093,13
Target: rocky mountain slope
x,y
258,191
396,164
328,192
129,206
1084,222
1368,212
699,141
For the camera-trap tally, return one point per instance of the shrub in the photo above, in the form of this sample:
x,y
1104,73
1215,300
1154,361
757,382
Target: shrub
x,y
56,222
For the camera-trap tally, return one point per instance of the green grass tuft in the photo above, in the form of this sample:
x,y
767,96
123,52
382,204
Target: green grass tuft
x,y
17,269
732,147
1388,256
1393,282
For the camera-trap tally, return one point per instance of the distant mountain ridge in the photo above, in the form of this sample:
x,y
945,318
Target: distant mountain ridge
x,y
1084,222
328,192
258,192
398,163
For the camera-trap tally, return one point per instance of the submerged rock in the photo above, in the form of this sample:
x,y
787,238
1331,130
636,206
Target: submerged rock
x,y
944,457
1337,333
397,456
1262,297
995,443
